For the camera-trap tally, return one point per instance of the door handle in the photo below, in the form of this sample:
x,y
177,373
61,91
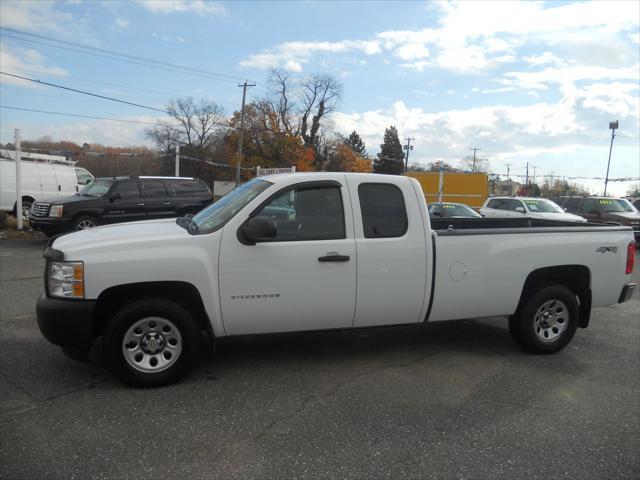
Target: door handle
x,y
334,258
167,203
141,204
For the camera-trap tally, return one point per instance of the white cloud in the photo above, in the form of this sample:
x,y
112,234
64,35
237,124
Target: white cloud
x,y
15,60
412,51
199,7
567,76
475,36
543,59
35,16
121,22
295,54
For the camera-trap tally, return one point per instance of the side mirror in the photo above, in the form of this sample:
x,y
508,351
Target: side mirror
x,y
520,209
257,229
436,214
115,196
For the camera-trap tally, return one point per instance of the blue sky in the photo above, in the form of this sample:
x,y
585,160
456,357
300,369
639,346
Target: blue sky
x,y
526,82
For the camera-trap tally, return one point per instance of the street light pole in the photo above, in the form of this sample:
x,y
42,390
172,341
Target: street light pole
x,y
613,126
408,147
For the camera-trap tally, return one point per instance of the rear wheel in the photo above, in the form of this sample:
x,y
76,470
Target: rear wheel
x,y
151,342
84,222
547,321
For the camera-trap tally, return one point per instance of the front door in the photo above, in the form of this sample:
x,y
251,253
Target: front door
x,y
124,203
304,278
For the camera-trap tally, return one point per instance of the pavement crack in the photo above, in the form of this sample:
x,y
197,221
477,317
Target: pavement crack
x,y
306,401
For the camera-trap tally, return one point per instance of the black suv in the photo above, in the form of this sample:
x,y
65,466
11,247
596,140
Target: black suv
x,y
121,199
603,210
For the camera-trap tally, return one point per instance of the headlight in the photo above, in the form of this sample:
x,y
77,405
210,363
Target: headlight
x,y
66,279
55,210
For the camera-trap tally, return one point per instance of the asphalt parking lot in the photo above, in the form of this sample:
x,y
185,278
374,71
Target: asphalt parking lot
x,y
450,400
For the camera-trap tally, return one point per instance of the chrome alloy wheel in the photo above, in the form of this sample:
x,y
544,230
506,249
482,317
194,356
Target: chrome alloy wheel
x,y
152,344
551,320
85,223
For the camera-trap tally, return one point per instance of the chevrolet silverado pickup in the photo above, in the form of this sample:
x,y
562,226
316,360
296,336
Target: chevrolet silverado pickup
x,y
312,251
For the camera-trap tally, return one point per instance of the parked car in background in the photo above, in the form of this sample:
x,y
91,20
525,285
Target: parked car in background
x,y
635,201
43,176
603,210
120,199
452,210
498,207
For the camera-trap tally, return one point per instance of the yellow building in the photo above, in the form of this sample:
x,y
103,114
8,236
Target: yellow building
x,y
469,188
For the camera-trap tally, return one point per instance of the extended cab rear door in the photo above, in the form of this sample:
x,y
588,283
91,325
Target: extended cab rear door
x,y
305,278
391,240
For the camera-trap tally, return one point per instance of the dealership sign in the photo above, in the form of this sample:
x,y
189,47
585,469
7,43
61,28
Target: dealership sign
x,y
272,171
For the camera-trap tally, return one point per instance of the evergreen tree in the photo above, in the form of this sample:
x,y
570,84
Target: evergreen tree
x,y
391,156
355,143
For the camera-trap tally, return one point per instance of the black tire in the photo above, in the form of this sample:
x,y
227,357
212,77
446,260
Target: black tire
x,y
551,312
146,312
84,222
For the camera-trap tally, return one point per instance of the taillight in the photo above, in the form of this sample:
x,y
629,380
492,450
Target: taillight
x,y
631,257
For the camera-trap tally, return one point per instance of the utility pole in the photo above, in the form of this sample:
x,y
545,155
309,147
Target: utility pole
x,y
177,160
612,126
18,179
474,157
508,165
408,148
534,180
526,181
244,96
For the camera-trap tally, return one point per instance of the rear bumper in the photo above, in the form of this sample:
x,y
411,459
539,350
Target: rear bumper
x,y
627,292
68,323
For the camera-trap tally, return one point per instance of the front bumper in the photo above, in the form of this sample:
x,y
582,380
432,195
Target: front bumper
x,y
68,323
627,292
50,224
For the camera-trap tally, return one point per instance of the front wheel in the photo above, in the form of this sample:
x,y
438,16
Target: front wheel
x,y
151,342
547,321
84,222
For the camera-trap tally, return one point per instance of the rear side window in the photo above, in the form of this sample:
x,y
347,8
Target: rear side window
x,y
572,203
187,188
383,212
589,205
153,189
498,204
127,189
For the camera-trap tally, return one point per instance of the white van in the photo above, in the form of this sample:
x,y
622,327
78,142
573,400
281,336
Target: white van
x,y
43,177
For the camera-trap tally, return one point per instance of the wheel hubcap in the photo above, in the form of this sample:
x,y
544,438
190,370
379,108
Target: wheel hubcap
x,y
551,320
84,224
152,344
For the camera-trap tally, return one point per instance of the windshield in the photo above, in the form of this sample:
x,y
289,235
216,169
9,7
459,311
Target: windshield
x,y
219,213
541,205
610,205
626,205
452,210
97,188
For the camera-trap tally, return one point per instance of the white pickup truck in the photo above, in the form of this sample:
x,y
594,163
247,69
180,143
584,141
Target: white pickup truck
x,y
318,251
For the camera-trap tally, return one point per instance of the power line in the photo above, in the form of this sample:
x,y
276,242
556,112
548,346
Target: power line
x,y
114,55
64,114
84,93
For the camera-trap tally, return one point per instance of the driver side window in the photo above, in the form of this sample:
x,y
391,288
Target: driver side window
x,y
307,213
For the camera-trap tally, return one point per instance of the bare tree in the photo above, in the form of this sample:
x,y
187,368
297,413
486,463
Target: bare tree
x,y
198,123
320,96
165,137
280,101
480,164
